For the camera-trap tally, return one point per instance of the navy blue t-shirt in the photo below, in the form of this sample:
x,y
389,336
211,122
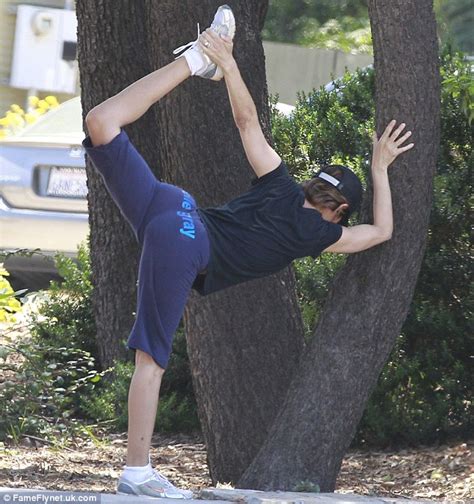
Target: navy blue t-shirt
x,y
262,231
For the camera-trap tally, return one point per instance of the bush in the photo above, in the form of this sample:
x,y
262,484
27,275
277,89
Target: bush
x,y
65,318
59,364
110,403
423,394
42,396
60,384
176,408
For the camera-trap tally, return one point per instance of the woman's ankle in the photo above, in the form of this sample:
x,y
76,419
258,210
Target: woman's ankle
x,y
138,460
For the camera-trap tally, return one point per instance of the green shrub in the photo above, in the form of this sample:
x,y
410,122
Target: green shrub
x,y
65,317
110,403
176,408
58,362
42,396
313,277
424,392
60,384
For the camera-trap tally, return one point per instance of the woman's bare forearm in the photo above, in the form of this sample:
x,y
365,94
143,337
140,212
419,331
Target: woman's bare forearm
x,y
219,49
260,154
243,106
382,202
386,150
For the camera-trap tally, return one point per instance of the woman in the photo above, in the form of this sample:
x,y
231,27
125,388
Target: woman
x,y
184,247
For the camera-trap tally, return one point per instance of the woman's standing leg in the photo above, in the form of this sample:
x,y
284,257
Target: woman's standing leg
x,y
143,397
169,265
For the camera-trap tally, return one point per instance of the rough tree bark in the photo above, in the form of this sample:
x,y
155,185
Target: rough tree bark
x,y
243,343
113,53
369,300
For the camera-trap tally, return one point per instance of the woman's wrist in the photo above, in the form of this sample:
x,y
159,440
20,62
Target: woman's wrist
x,y
229,66
379,167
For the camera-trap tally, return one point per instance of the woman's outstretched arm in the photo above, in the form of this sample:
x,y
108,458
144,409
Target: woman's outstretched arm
x,y
260,154
386,150
105,120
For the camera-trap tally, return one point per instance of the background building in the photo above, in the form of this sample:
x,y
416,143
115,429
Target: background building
x,y
8,19
290,68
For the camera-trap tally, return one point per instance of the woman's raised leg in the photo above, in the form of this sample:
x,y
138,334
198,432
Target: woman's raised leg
x,y
105,120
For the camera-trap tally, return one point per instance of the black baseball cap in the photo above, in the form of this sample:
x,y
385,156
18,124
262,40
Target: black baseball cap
x,y
349,185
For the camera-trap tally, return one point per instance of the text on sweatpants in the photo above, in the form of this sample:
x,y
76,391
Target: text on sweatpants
x,y
187,224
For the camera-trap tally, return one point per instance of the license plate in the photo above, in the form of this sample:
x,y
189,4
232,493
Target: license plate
x,y
67,182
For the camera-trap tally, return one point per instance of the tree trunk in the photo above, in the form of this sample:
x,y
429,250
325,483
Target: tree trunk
x,y
113,53
244,342
242,357
370,297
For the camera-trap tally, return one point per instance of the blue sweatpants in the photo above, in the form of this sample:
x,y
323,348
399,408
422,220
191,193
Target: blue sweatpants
x,y
174,241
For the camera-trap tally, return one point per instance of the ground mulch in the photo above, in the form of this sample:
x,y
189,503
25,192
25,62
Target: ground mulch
x,y
443,473
94,462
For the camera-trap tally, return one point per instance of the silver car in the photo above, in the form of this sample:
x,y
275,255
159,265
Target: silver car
x,y
43,189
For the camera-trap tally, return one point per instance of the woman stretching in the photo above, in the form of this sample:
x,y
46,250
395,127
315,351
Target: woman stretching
x,y
185,247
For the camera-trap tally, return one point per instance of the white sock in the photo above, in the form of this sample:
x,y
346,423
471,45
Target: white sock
x,y
137,474
195,60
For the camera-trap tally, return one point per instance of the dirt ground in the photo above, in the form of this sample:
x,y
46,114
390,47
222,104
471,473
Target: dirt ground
x,y
444,474
93,463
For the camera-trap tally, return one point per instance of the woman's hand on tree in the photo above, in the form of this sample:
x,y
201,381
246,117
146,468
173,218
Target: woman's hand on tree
x,y
390,145
218,48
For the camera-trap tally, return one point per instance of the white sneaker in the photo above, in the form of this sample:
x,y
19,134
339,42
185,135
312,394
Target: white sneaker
x,y
199,63
155,486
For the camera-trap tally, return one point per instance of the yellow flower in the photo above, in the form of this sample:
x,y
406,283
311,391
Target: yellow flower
x,y
12,118
43,104
17,109
30,118
52,101
33,101
17,120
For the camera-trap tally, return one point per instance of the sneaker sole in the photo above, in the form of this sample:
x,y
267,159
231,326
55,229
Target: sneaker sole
x,y
144,496
218,74
212,71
